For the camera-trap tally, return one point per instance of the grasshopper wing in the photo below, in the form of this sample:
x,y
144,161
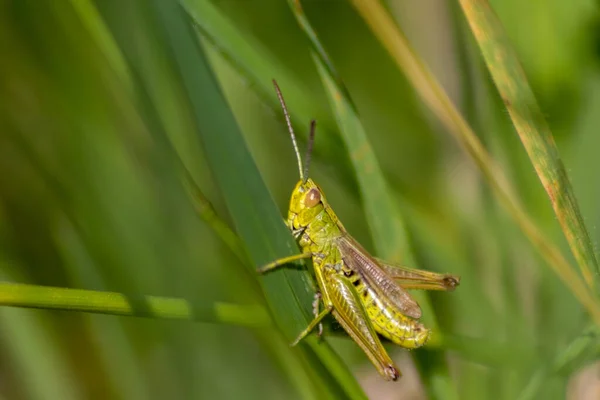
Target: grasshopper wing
x,y
357,259
410,278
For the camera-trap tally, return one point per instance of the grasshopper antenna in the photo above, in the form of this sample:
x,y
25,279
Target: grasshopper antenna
x,y
309,148
289,124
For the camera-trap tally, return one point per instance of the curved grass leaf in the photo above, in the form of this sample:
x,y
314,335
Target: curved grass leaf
x,y
102,37
252,209
207,212
111,303
281,353
436,98
533,130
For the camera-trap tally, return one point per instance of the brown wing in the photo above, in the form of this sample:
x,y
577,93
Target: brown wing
x,y
410,278
357,259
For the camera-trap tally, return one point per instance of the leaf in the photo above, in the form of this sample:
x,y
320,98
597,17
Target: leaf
x,y
255,216
437,99
533,131
111,303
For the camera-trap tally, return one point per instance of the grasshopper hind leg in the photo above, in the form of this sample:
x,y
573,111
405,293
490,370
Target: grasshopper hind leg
x,y
350,313
282,262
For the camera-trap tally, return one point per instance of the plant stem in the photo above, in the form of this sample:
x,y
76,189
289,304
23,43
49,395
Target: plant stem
x,y
112,303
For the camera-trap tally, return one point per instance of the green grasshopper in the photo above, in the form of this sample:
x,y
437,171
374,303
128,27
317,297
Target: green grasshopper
x,y
367,296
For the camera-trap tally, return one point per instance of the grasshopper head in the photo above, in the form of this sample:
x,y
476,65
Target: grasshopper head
x,y
306,202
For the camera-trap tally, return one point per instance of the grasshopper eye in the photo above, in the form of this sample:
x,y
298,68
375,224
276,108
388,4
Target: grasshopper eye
x,y
312,198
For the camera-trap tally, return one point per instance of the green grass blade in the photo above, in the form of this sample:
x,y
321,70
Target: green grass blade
x,y
254,214
533,130
206,211
99,32
252,209
247,55
436,98
111,303
273,344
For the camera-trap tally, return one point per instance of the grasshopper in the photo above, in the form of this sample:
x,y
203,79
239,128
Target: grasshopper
x,y
367,296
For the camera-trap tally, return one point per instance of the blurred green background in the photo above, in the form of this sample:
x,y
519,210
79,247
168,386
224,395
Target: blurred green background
x,y
97,119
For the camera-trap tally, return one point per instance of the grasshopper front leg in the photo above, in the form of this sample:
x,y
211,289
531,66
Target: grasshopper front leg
x,y
283,261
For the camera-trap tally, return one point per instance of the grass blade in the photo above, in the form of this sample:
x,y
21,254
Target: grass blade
x,y
252,209
111,303
533,130
436,98
206,211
